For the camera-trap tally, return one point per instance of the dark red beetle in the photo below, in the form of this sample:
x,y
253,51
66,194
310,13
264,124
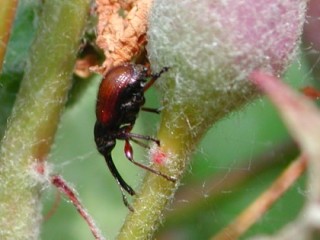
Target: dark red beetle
x,y
120,98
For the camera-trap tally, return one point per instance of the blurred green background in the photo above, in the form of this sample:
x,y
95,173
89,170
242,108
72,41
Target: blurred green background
x,y
229,148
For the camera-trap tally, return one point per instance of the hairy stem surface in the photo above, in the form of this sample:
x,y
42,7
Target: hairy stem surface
x,y
36,114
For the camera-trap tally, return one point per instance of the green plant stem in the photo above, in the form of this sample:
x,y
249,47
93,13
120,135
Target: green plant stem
x,y
156,192
7,13
36,114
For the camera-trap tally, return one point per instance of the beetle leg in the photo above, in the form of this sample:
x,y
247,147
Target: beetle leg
x,y
129,154
131,135
125,134
140,143
152,110
154,77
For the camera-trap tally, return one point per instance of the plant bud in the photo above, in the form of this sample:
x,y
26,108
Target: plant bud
x,y
211,47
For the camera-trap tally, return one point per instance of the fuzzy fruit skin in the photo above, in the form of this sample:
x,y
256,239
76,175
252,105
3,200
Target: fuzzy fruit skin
x,y
211,47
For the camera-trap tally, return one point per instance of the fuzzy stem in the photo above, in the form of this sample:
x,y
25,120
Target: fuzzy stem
x,y
36,114
156,192
7,14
